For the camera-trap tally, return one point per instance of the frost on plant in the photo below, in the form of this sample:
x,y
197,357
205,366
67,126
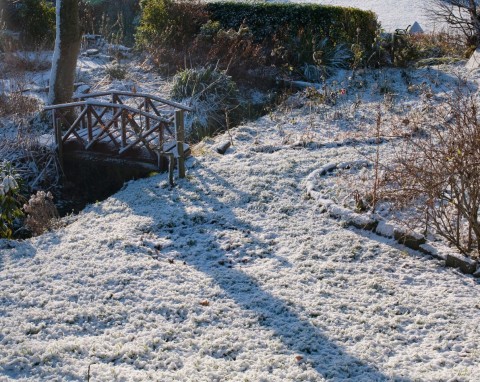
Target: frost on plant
x,y
41,211
213,95
9,200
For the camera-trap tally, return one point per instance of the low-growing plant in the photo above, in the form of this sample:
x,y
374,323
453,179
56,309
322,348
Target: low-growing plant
x,y
37,164
9,199
116,71
41,213
33,61
326,58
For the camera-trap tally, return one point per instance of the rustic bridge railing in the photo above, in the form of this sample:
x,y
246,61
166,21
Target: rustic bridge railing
x,y
126,124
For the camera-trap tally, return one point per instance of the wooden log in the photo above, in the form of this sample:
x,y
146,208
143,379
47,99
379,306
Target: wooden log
x,y
180,132
222,147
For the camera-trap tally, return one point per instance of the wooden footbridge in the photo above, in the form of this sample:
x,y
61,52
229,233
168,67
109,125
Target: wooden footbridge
x,y
123,127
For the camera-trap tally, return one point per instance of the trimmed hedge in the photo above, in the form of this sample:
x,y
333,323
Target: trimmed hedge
x,y
266,20
233,34
169,23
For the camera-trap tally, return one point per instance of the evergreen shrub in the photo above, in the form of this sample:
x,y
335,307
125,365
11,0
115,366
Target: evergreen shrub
x,y
36,19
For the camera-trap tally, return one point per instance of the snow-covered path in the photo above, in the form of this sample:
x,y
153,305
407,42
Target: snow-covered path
x,y
234,275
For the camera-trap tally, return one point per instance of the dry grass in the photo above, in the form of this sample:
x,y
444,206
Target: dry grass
x,y
17,103
20,62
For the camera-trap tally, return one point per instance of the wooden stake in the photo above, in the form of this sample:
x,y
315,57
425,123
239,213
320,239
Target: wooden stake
x,y
180,132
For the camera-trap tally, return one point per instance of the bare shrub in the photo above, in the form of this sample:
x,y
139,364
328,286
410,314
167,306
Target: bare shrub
x,y
461,15
436,45
34,61
17,103
14,101
41,213
435,174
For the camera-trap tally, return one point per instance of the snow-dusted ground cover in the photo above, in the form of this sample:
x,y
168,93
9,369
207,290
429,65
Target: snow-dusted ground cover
x,y
236,275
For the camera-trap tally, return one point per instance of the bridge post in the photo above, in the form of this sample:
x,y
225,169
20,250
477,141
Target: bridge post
x,y
58,137
180,133
124,128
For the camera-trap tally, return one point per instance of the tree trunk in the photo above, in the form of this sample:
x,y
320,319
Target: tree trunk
x,y
67,48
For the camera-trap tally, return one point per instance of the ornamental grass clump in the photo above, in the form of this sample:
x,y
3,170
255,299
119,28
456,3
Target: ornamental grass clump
x,y
213,95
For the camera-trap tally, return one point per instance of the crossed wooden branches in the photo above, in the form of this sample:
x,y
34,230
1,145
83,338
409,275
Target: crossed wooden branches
x,y
155,124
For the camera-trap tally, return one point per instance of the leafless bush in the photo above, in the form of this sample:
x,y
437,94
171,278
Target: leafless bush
x,y
41,213
36,61
17,103
461,15
436,173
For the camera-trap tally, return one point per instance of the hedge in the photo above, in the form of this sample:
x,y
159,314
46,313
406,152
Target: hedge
x,y
265,20
281,35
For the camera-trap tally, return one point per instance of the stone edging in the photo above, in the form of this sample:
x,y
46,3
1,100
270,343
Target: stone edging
x,y
368,222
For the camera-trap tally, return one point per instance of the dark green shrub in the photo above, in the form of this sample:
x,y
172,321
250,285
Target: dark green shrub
x,y
287,33
167,22
114,20
36,19
9,199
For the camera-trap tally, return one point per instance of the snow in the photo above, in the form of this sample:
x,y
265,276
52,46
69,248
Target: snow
x,y
236,275
56,52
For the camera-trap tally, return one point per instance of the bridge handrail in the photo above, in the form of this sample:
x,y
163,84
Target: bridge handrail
x,y
88,109
108,104
132,94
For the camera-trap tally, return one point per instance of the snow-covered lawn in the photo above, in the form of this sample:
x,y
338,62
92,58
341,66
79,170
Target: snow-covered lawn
x,y
236,275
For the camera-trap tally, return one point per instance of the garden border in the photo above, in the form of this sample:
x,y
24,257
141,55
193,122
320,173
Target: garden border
x,y
376,225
